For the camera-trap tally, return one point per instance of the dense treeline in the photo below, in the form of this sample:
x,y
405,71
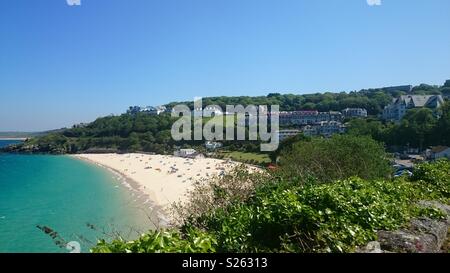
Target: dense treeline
x,y
374,100
419,128
118,133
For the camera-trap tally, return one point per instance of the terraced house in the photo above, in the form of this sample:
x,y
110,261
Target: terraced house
x,y
308,117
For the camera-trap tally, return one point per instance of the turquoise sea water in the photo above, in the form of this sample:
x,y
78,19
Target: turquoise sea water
x,y
4,143
64,194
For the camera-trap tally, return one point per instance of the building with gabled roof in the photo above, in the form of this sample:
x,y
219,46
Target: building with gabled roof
x,y
397,109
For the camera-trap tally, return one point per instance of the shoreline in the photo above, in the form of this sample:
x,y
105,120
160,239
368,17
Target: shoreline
x,y
14,138
162,179
147,200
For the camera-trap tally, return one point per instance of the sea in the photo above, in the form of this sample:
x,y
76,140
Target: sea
x,y
59,204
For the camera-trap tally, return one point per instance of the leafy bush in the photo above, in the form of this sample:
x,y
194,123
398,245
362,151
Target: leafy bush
x,y
430,212
434,179
276,215
313,218
339,157
216,192
170,241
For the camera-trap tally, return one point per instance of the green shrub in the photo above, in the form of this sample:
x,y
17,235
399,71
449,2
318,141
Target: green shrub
x,y
314,218
281,216
170,241
339,157
433,179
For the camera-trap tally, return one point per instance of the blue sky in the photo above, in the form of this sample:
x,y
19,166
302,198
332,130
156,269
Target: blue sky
x,y
62,64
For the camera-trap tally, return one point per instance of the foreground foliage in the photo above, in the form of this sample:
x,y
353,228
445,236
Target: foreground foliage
x,y
194,241
285,216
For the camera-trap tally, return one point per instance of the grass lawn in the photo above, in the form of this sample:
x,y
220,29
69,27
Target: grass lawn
x,y
241,156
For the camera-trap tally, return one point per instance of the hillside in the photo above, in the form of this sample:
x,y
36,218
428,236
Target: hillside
x,y
142,132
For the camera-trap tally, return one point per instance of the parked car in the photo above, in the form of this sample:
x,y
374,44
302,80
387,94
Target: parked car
x,y
403,172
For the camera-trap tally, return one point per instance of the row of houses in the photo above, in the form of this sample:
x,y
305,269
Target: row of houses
x,y
323,128
314,117
291,117
307,117
315,123
151,110
209,111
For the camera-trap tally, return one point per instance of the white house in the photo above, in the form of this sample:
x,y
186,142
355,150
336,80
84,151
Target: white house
x,y
324,128
397,109
212,111
158,110
354,113
208,111
146,109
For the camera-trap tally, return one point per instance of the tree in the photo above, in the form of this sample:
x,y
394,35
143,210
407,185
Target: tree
x,y
339,157
309,106
442,130
287,145
445,91
366,127
426,89
416,127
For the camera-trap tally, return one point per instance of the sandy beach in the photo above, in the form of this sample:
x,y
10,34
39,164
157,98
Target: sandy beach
x,y
165,179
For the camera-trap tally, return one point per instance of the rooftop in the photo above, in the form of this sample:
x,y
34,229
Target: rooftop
x,y
439,149
418,100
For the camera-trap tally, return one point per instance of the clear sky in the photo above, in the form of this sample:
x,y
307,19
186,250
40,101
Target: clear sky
x,y
62,64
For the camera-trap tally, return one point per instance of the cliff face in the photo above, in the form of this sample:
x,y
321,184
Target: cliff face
x,y
424,235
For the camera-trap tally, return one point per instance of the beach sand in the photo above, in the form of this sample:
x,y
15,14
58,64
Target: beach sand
x,y
165,179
